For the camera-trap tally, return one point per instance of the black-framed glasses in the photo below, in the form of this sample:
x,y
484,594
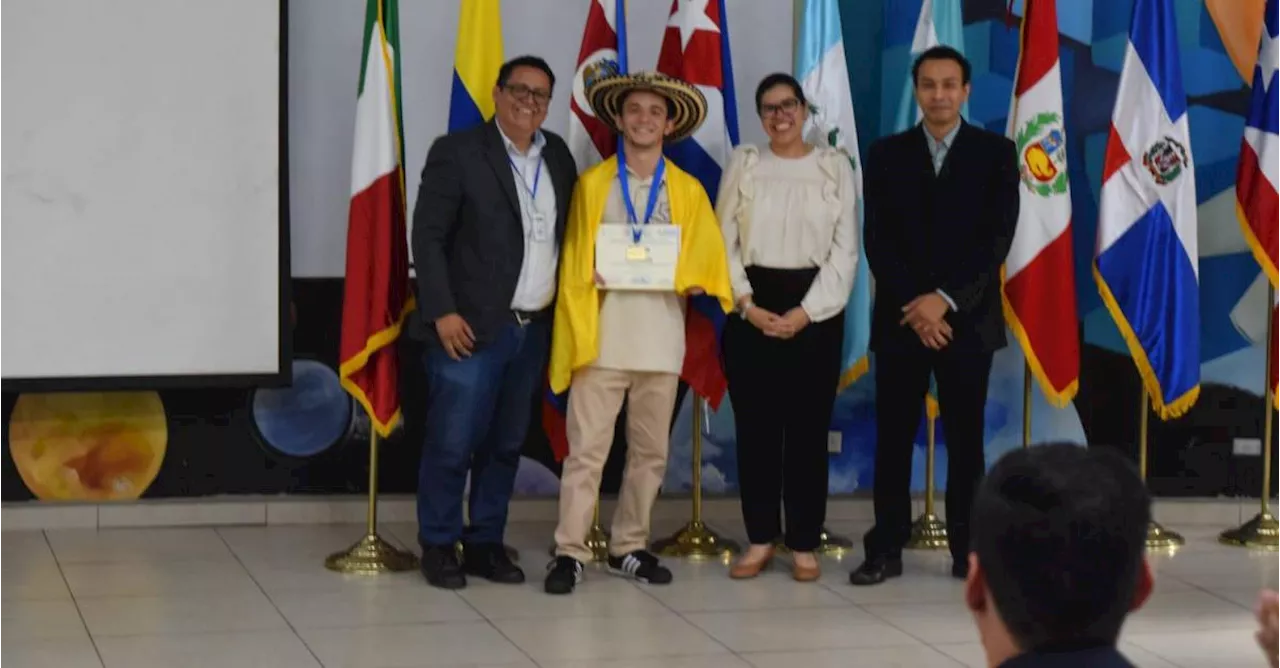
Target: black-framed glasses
x,y
524,93
789,105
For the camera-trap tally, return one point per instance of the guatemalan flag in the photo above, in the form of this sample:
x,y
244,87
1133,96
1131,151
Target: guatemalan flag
x,y
695,48
1145,260
1258,173
604,44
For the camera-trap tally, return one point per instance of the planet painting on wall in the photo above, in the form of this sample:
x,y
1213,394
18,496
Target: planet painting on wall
x,y
306,419
95,446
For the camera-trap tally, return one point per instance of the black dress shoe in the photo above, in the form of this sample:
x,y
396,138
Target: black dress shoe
x,y
491,562
960,569
441,568
874,571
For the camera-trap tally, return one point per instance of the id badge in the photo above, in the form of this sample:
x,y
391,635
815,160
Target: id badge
x,y
541,227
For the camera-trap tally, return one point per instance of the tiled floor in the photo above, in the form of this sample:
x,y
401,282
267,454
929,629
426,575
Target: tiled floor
x,y
260,597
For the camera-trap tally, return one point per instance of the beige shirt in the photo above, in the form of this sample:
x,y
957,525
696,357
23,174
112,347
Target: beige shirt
x,y
792,213
640,331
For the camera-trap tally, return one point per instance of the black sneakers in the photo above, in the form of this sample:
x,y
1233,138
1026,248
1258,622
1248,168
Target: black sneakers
x,y
640,565
563,574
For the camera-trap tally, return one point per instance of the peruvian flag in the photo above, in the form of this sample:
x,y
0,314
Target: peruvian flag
x,y
1258,172
604,43
376,296
1039,286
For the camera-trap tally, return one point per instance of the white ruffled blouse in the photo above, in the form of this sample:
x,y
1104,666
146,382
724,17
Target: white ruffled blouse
x,y
792,213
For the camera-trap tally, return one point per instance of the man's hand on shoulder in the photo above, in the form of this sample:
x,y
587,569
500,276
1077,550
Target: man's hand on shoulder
x,y
455,335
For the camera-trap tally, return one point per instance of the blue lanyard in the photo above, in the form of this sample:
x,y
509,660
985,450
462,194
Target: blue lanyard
x,y
652,204
537,177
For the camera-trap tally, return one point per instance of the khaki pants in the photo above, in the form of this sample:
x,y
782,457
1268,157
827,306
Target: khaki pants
x,y
594,401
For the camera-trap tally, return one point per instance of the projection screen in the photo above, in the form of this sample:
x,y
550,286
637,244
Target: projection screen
x,y
144,240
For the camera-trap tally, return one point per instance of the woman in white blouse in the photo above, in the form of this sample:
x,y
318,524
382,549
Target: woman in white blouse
x,y
788,215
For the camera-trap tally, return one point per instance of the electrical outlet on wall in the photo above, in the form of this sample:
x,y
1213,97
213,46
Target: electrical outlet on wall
x,y
835,440
1246,447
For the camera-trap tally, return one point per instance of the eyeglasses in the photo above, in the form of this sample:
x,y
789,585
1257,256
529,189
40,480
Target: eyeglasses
x,y
523,93
789,105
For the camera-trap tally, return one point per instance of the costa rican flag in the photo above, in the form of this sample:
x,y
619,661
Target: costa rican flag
x,y
1146,257
604,44
695,48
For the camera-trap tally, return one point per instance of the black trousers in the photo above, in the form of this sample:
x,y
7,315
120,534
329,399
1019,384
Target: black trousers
x,y
902,380
783,391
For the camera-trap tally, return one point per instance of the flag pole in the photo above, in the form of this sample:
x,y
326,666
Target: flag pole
x,y
929,532
597,537
1158,537
1262,531
1026,405
696,540
372,554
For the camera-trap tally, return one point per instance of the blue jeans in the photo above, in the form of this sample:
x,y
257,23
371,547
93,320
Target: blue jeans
x,y
477,418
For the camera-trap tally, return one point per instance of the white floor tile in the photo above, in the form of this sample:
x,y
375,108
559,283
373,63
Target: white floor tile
x,y
918,656
372,606
772,589
145,546
166,578
971,654
268,649
50,653
597,638
1234,648
600,596
38,579
41,619
422,645
933,623
195,613
705,661
1186,611
795,630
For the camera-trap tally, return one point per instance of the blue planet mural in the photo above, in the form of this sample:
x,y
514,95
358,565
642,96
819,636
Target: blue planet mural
x,y
307,418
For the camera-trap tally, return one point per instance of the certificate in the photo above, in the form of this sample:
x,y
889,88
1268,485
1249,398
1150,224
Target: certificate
x,y
649,264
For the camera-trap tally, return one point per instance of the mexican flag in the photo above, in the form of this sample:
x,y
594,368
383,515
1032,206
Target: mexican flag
x,y
1039,287
376,297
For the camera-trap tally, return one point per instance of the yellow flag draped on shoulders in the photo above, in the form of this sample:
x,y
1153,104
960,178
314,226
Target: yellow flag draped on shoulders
x,y
575,339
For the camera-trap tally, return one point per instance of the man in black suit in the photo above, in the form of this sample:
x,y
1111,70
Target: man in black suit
x,y
941,205
1059,558
487,229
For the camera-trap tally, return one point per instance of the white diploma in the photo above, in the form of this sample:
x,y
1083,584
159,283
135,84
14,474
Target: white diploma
x,y
649,264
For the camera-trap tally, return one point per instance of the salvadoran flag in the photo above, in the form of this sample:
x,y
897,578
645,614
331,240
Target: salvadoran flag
x,y
1038,284
824,76
604,44
1146,258
695,48
476,61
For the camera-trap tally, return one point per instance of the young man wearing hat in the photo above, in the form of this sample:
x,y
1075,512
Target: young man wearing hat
x,y
641,237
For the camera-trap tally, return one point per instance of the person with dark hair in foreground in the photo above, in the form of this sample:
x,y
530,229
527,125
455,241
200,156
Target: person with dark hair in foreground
x,y
1058,560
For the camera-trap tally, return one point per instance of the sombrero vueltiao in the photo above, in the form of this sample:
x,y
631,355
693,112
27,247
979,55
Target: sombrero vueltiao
x,y
606,90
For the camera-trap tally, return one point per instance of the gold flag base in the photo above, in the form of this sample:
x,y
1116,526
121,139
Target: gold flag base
x,y
1160,539
928,533
829,545
598,543
371,555
1260,533
696,541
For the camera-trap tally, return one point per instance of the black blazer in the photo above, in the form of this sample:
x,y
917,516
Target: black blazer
x,y
949,231
468,238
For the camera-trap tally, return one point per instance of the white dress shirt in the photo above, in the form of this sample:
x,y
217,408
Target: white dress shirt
x,y
536,286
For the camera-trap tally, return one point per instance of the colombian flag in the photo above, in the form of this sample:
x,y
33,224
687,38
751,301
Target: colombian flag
x,y
476,61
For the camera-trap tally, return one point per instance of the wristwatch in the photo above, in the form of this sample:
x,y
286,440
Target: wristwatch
x,y
742,310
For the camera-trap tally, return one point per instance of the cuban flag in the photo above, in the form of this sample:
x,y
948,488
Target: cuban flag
x,y
695,48
1146,256
604,44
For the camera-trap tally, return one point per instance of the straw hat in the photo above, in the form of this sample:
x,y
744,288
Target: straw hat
x,y
606,88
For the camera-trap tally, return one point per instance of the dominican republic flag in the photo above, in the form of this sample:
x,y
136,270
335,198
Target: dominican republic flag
x,y
604,43
476,60
1146,257
824,76
376,297
695,48
1038,278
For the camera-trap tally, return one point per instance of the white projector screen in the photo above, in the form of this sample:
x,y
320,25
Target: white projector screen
x,y
144,239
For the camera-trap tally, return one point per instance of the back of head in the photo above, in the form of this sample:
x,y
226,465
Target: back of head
x,y
1059,531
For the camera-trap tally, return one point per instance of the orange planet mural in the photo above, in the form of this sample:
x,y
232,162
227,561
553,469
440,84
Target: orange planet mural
x,y
88,446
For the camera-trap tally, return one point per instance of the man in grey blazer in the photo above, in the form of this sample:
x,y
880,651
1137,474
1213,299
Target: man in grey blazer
x,y
487,229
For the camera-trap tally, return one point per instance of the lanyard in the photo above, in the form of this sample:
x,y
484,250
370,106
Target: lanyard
x,y
537,177
649,206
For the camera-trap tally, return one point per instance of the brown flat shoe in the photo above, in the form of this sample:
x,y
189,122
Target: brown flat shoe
x,y
805,573
745,570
